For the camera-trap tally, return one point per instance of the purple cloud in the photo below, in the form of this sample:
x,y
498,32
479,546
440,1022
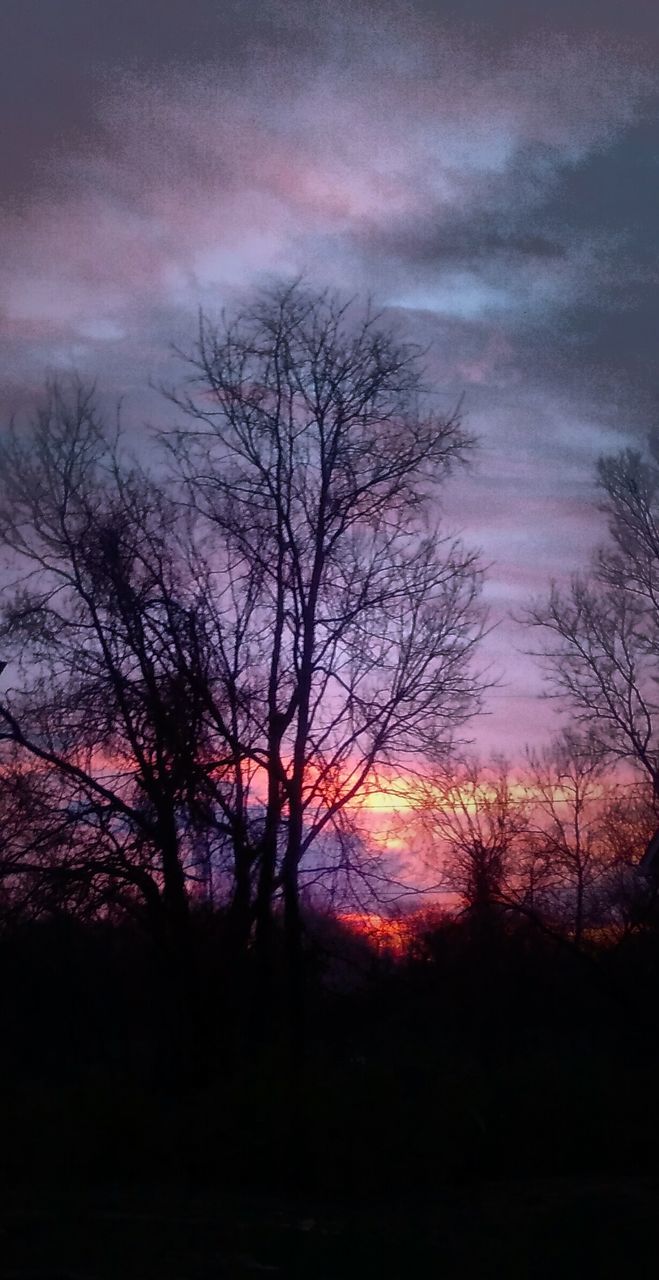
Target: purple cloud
x,y
480,172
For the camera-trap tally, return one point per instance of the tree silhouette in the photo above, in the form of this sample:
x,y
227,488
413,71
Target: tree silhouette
x,y
100,630
568,780
213,659
601,638
347,631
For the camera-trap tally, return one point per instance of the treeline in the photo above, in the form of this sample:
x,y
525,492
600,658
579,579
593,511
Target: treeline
x,y
559,841
211,655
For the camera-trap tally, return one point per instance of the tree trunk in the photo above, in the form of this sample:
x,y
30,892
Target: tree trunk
x,y
187,1049
262,1002
578,914
295,972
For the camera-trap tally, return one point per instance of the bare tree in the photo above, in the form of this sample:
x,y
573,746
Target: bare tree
x,y
476,821
100,630
601,638
347,619
210,666
568,783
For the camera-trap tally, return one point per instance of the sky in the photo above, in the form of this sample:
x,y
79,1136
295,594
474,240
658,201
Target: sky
x,y
487,170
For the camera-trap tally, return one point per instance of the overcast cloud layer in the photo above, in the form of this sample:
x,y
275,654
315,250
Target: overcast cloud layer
x,y
489,171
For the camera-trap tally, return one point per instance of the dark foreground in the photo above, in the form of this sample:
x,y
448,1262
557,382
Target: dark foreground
x,y
553,1228
474,1112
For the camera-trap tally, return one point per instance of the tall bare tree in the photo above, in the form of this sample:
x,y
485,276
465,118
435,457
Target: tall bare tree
x,y
347,619
211,665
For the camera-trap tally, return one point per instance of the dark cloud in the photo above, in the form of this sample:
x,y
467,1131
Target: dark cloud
x,y
488,169
435,242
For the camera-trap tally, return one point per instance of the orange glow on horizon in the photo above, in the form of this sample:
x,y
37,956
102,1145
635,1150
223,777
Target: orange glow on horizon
x,y
385,933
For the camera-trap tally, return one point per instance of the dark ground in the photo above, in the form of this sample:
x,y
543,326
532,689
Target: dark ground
x,y
466,1116
551,1228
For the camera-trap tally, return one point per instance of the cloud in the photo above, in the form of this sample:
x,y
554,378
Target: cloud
x,y
482,168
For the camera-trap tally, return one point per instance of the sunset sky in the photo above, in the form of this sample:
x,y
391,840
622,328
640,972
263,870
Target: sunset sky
x,y
489,171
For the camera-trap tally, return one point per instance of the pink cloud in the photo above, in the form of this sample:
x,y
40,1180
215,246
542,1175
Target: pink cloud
x,y
193,184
